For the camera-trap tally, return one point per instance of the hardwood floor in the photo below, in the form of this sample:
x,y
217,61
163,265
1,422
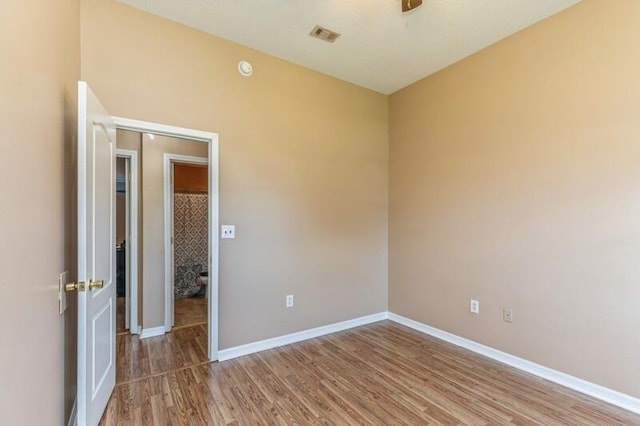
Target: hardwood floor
x,y
137,359
190,311
379,374
120,315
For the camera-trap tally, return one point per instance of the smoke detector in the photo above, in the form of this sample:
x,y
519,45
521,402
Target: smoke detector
x,y
324,34
245,68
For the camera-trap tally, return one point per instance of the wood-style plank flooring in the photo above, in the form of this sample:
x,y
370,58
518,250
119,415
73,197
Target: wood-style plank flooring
x,y
142,358
189,311
120,315
379,374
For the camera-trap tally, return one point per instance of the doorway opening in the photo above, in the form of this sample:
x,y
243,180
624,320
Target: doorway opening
x,y
152,276
187,247
126,242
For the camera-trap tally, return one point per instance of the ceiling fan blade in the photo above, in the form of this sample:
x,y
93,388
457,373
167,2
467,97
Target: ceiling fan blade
x,y
408,5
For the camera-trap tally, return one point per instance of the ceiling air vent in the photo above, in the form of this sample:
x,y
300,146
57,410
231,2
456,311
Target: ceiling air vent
x,y
324,34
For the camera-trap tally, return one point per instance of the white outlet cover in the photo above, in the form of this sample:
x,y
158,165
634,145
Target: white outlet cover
x,y
474,306
227,231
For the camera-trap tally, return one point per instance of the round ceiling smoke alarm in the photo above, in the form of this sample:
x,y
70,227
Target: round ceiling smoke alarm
x,y
245,68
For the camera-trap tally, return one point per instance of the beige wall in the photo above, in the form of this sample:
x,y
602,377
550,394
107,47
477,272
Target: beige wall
x,y
153,289
515,179
40,66
303,166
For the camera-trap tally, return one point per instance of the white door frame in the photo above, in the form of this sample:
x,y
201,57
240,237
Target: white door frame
x,y
212,140
169,261
132,235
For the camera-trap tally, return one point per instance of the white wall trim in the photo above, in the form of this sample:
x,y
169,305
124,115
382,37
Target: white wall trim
x,y
163,129
213,162
169,159
600,392
152,332
287,339
132,243
73,417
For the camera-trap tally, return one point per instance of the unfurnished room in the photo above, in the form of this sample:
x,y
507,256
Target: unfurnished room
x,y
372,212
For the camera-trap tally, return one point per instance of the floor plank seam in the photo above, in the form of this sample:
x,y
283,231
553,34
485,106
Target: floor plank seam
x,y
182,327
162,373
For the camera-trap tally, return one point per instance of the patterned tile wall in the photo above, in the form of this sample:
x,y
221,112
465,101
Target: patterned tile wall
x,y
190,242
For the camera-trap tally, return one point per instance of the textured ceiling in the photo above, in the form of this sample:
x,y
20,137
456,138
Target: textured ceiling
x,y
380,47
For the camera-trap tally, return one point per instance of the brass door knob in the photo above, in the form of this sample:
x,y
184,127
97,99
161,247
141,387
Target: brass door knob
x,y
96,284
79,286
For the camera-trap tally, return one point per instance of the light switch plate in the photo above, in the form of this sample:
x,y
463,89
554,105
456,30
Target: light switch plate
x,y
62,294
474,306
228,231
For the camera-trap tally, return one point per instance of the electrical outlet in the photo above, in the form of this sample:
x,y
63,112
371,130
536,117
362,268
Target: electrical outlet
x,y
474,306
507,315
228,231
289,301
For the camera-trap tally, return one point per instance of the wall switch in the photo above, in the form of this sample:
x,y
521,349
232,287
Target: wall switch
x,y
289,301
228,231
474,306
507,315
63,278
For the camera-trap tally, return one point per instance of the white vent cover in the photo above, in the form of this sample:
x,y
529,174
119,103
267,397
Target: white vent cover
x,y
324,34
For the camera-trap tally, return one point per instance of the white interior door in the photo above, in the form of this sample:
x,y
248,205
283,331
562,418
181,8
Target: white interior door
x,y
96,257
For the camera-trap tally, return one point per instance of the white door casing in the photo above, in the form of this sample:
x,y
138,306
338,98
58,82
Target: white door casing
x,y
212,159
96,257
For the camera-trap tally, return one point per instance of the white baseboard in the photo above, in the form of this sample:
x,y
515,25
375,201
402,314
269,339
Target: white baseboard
x,y
275,342
600,392
73,417
152,332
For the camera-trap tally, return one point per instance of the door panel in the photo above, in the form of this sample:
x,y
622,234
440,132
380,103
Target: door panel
x,y
96,257
101,348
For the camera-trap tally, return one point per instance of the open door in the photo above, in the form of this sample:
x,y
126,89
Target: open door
x,y
96,257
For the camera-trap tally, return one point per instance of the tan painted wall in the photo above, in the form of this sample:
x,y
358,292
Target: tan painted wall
x,y
303,166
39,69
153,289
515,179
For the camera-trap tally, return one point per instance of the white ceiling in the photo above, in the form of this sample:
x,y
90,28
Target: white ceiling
x,y
380,48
